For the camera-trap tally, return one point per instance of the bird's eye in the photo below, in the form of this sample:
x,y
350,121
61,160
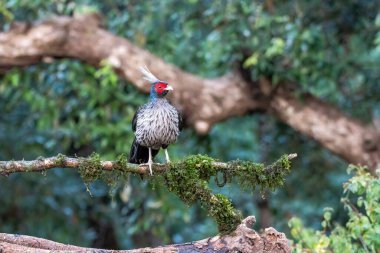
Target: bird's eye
x,y
160,87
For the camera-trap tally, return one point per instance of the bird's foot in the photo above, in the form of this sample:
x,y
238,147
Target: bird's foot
x,y
149,164
150,167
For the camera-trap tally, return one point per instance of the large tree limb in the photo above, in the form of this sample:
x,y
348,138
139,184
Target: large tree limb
x,y
345,136
83,38
244,240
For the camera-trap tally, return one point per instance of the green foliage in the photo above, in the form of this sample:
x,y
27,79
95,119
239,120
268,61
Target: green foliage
x,y
5,12
292,47
361,201
81,105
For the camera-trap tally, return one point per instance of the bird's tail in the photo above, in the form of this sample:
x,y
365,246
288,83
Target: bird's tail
x,y
140,154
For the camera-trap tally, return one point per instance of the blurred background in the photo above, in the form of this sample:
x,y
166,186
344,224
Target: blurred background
x,y
65,107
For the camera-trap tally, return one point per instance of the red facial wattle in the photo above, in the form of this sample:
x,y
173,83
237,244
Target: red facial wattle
x,y
160,87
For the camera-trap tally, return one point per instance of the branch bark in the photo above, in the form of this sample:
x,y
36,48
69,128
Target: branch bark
x,y
243,239
83,38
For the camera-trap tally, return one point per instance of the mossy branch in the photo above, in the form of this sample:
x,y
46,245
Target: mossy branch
x,y
187,179
121,164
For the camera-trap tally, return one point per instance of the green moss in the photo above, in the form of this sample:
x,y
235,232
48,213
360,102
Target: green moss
x,y
251,175
181,180
226,216
122,165
189,181
203,164
247,173
91,169
276,172
60,160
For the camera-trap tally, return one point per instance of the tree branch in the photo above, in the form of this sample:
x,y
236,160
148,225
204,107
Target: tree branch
x,y
62,161
347,137
84,39
244,239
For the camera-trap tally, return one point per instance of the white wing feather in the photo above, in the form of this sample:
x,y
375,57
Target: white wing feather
x,y
148,75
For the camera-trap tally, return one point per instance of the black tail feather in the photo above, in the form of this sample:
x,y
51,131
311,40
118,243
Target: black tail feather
x,y
140,154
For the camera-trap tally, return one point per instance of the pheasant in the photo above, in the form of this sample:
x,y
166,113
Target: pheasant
x,y
155,124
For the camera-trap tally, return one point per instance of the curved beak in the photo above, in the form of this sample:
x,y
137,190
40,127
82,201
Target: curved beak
x,y
168,88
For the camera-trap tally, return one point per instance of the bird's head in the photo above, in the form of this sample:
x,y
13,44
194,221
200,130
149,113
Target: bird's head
x,y
158,88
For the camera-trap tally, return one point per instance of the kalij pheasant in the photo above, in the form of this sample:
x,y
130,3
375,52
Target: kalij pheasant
x,y
155,124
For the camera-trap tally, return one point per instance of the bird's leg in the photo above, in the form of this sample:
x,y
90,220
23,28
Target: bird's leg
x,y
167,155
150,161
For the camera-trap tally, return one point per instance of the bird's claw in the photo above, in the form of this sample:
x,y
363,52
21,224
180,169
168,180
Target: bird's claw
x,y
149,166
